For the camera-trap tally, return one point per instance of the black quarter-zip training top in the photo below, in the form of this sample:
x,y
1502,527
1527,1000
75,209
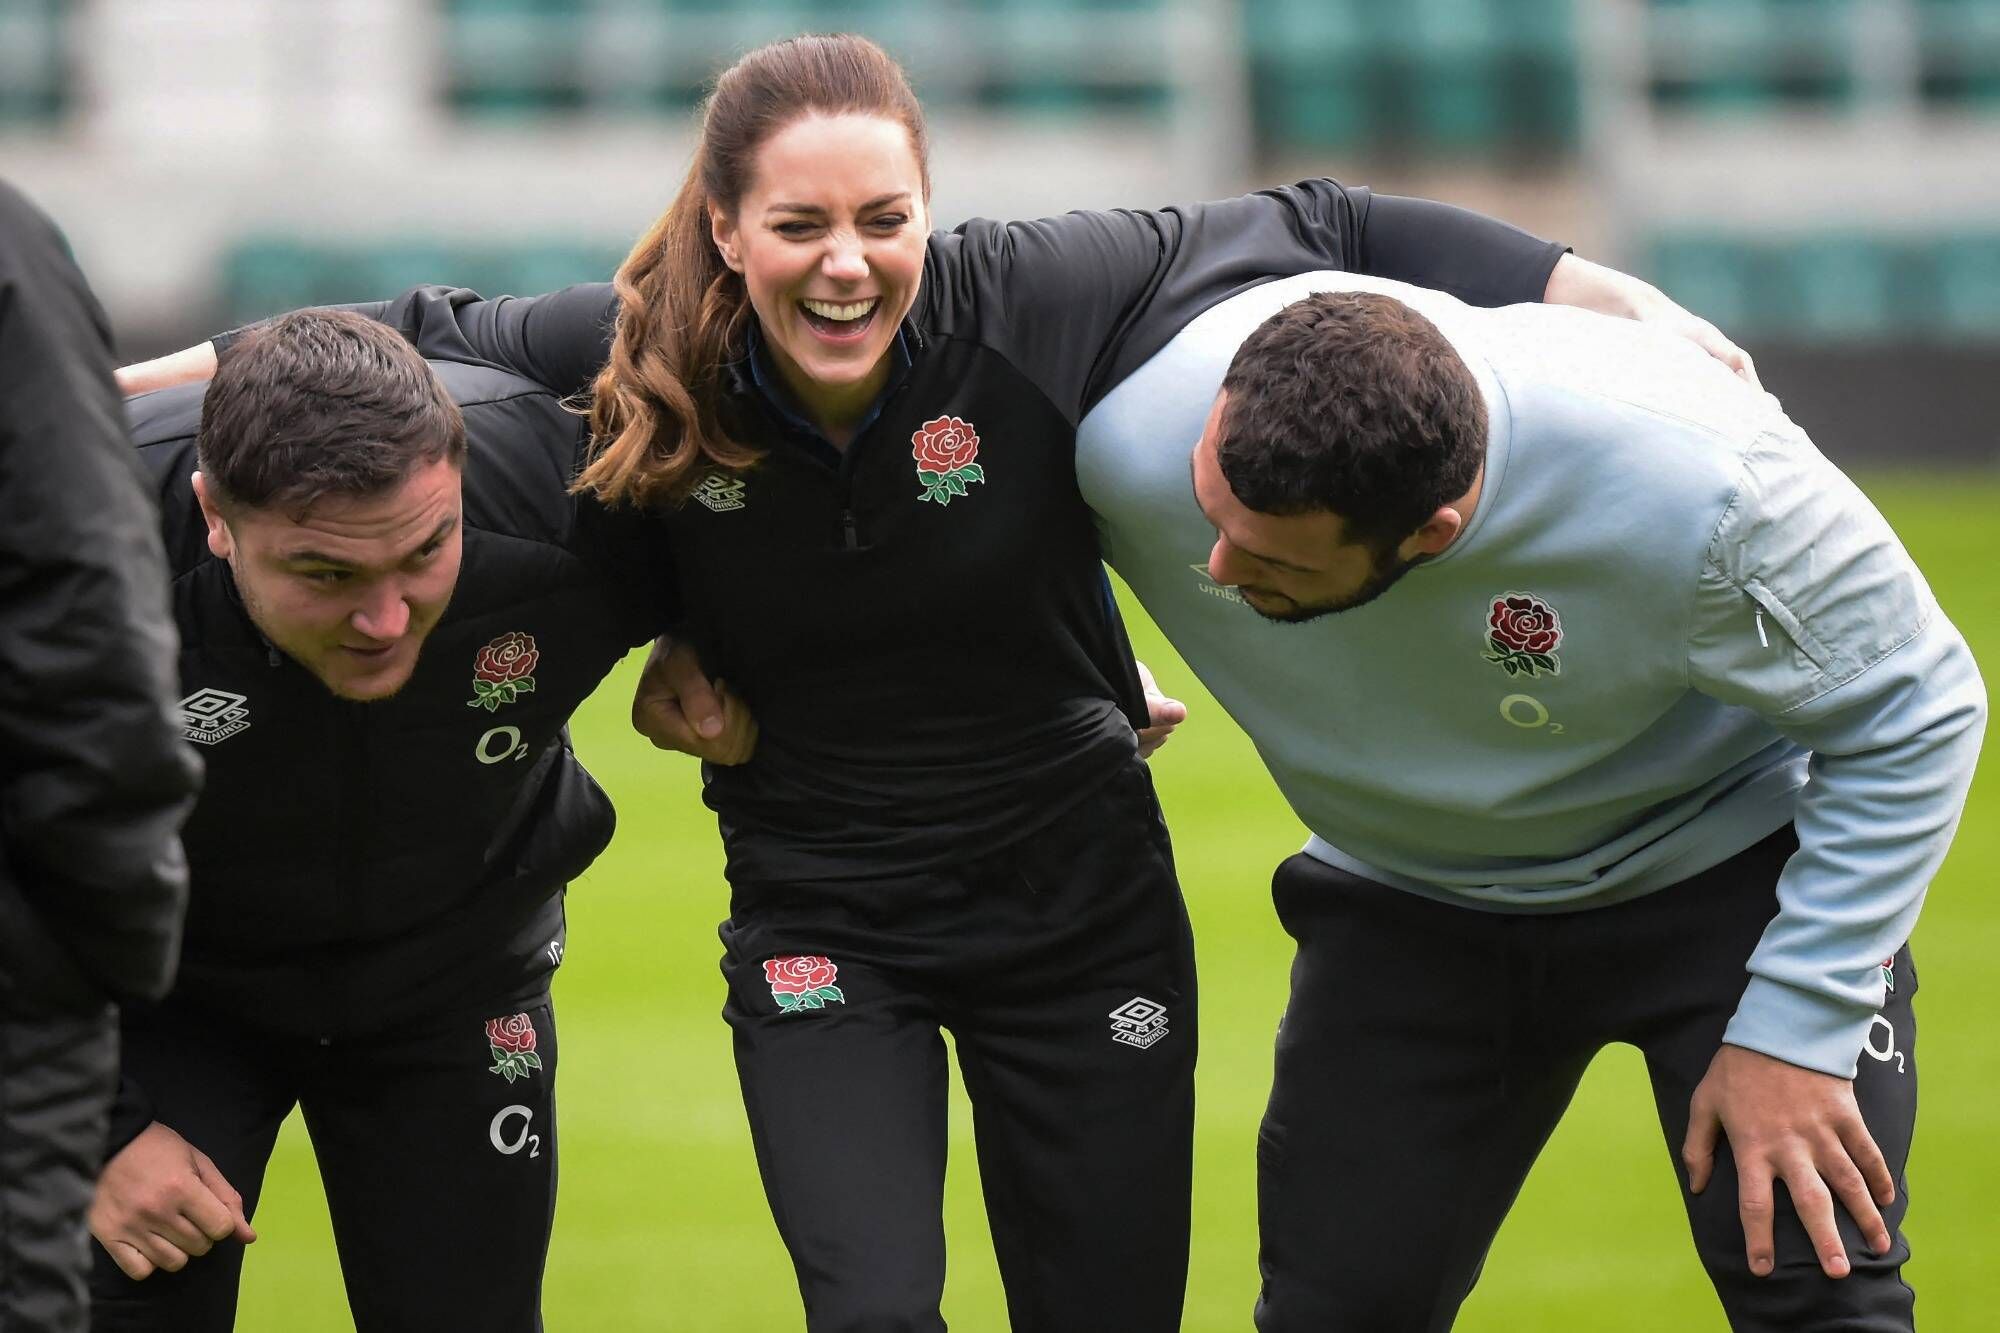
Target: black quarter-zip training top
x,y
353,865
919,621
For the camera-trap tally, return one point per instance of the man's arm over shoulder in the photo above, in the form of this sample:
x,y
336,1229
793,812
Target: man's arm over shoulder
x,y
95,779
1811,613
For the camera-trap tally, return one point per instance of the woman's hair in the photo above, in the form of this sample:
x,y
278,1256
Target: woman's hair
x,y
681,310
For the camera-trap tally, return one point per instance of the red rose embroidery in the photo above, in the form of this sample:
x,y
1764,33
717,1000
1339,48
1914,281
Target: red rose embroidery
x,y
512,1040
1522,634
803,982
946,450
509,657
503,671
511,1034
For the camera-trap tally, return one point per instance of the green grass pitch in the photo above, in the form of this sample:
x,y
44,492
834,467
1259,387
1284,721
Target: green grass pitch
x,y
662,1225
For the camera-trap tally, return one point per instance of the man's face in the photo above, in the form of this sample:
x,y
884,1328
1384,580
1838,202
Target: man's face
x,y
1292,568
351,590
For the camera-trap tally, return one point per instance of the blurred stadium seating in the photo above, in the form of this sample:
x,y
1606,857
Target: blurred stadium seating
x,y
1809,173
34,62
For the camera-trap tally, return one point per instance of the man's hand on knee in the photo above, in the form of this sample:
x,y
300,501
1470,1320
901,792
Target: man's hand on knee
x,y
1788,1123
161,1201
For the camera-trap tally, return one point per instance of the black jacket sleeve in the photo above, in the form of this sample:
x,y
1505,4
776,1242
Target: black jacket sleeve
x,y
559,340
94,776
1080,301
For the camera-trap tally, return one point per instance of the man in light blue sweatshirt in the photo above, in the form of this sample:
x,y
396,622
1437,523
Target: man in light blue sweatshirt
x,y
1639,725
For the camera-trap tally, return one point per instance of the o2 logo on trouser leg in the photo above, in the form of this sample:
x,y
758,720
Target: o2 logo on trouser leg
x,y
1881,1042
503,1121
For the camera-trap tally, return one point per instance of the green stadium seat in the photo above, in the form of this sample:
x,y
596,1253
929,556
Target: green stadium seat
x,y
34,69
1726,56
1837,288
1966,271
1843,288
265,275
1712,275
1309,71
1960,45
1453,74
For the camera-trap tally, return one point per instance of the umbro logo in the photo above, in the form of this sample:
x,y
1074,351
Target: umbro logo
x,y
1139,1022
720,492
209,717
1214,589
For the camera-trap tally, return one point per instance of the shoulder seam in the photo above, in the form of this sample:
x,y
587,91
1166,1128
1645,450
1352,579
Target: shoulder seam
x,y
984,346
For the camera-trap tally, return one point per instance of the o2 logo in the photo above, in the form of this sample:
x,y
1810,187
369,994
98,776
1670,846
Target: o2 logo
x,y
499,745
1529,714
1881,1042
497,1132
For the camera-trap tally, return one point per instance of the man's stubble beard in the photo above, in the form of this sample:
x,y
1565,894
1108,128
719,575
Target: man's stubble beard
x,y
1380,581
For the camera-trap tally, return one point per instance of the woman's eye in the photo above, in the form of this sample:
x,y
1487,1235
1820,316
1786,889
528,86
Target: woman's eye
x,y
794,228
888,222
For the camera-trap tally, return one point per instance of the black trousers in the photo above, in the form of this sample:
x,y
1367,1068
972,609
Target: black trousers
x,y
57,1074
1065,974
440,1170
1428,1051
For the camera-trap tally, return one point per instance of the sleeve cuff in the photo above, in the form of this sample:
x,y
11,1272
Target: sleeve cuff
x,y
131,1113
1799,1027
229,338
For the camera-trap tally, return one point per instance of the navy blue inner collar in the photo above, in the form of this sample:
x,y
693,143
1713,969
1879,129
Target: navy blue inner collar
x,y
764,376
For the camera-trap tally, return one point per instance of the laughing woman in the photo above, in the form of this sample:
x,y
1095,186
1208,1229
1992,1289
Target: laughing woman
x,y
860,433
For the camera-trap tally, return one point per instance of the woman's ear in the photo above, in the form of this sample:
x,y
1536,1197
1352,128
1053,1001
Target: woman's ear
x,y
722,230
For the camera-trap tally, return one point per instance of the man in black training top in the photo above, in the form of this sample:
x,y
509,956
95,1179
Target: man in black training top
x,y
390,606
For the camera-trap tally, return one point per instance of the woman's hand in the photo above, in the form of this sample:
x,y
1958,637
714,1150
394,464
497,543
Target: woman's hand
x,y
1588,286
1164,715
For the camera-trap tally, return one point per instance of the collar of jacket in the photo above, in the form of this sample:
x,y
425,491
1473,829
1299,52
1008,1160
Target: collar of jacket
x,y
753,376
271,654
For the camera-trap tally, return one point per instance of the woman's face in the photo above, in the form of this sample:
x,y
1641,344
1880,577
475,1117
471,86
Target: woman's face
x,y
830,241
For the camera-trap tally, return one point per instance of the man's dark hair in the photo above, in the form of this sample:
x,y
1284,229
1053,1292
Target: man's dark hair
x,y
1351,403
319,403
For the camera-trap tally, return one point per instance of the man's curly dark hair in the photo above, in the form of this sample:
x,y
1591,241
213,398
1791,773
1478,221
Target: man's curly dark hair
x,y
1351,403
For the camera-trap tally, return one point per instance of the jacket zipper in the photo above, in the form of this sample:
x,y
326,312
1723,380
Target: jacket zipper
x,y
850,529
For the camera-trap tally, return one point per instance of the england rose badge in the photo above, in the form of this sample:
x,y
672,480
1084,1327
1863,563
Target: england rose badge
x,y
1522,635
504,671
512,1040
945,449
803,982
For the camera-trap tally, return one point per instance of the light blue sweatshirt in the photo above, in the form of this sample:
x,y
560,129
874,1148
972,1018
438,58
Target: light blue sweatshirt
x,y
1738,641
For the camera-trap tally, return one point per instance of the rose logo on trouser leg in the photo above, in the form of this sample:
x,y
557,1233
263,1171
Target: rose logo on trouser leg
x,y
803,982
1522,635
503,671
945,448
512,1040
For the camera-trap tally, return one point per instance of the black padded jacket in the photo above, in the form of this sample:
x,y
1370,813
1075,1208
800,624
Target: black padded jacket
x,y
355,865
94,780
